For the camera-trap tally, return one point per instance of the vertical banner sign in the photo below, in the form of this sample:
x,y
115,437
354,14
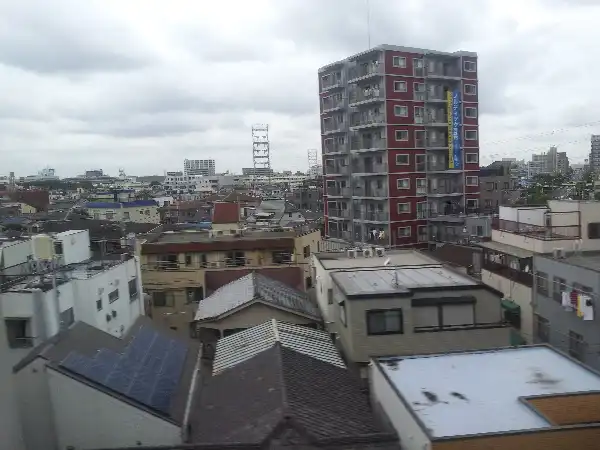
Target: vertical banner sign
x,y
456,129
450,115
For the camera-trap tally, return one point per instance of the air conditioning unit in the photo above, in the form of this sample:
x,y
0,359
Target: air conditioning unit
x,y
367,252
380,251
351,252
558,253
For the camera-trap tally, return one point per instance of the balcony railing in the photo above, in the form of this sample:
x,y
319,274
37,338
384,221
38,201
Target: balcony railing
x,y
337,170
339,192
330,82
519,276
220,264
437,120
330,103
368,120
365,95
381,168
371,193
336,212
435,96
454,189
437,166
373,216
334,147
439,72
365,70
543,233
339,234
332,126
436,143
367,143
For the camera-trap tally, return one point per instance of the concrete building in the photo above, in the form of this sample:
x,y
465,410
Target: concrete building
x,y
180,184
594,159
140,211
520,398
408,305
548,163
498,186
205,167
181,268
104,294
400,144
89,389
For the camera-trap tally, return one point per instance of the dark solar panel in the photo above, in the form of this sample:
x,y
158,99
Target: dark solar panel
x,y
148,371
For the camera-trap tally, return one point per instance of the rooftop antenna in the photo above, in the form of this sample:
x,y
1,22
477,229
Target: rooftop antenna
x,y
387,263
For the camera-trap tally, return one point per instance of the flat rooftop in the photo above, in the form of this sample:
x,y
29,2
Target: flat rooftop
x,y
341,260
186,237
469,393
585,260
401,280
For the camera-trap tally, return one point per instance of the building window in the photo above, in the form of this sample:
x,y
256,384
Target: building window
x,y
126,215
17,333
403,208
542,329
470,66
541,283
306,251
113,296
194,294
471,135
419,163
133,289
399,86
472,181
384,321
471,158
188,259
472,203
400,111
471,112
403,183
402,160
594,230
99,304
343,316
402,135
576,346
330,296
399,61
282,257
109,216
162,299
403,232
67,317
470,89
559,285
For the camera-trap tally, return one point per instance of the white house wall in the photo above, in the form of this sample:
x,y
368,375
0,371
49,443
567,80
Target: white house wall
x,y
87,418
76,245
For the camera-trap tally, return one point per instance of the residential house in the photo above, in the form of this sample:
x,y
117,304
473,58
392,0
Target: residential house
x,y
291,392
249,301
568,274
141,211
181,268
59,284
85,388
182,212
413,305
502,399
225,216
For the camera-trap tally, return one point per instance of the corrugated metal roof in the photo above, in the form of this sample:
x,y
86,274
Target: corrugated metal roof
x,y
239,347
255,287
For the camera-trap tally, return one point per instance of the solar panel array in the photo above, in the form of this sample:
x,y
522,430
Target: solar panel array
x,y
147,371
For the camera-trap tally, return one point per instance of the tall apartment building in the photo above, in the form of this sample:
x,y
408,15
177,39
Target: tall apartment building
x,y
595,152
204,167
400,144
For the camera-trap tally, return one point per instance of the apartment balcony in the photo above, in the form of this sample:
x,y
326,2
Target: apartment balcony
x,y
437,143
445,190
371,120
366,97
440,166
339,213
339,192
366,169
443,73
436,120
437,96
330,148
339,234
365,71
377,193
372,216
367,144
539,232
331,127
332,104
511,273
333,80
337,170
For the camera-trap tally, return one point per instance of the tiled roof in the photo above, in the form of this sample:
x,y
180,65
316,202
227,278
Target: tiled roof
x,y
255,287
225,213
239,347
280,391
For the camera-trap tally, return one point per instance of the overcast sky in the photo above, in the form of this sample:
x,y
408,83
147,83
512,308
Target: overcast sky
x,y
144,84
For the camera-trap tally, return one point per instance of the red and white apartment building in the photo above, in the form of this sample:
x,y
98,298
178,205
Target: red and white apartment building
x,y
400,145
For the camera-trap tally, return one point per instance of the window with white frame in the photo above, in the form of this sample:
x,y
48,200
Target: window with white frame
x,y
399,86
400,111
402,135
472,181
402,160
471,112
470,89
472,203
419,87
471,158
470,135
403,208
403,232
470,66
399,61
421,186
403,183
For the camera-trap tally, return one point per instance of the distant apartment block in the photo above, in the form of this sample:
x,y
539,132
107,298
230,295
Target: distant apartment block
x,y
257,171
400,144
594,159
140,211
204,167
548,163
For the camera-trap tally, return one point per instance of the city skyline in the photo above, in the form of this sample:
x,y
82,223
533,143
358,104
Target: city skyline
x,y
128,99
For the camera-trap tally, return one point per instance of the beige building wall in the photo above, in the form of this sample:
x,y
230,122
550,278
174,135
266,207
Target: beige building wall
x,y
143,214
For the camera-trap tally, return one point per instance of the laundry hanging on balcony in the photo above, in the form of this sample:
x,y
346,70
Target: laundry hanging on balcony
x,y
581,303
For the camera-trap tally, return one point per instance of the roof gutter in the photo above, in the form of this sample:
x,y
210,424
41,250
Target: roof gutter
x,y
185,425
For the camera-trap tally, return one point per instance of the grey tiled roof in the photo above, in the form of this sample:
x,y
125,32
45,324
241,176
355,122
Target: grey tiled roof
x,y
239,347
255,287
281,392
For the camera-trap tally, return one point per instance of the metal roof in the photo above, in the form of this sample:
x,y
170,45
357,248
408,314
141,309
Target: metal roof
x,y
255,287
239,347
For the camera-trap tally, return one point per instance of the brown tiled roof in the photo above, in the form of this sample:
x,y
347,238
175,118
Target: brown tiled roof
x,y
279,393
226,213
